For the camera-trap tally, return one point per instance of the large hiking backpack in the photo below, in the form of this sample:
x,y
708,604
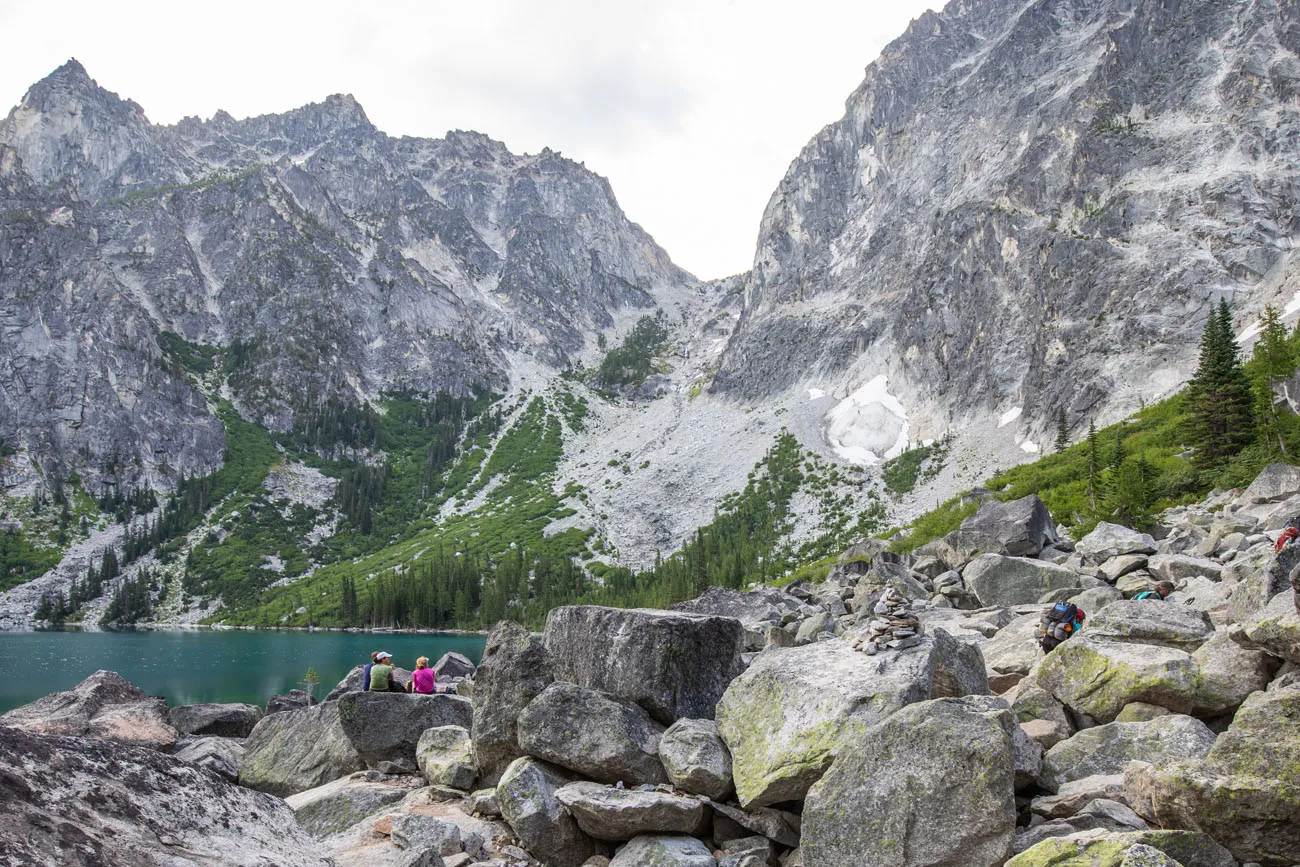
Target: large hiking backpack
x,y
1058,623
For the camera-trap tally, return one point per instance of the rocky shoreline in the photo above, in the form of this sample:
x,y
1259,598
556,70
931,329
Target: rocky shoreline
x,y
899,713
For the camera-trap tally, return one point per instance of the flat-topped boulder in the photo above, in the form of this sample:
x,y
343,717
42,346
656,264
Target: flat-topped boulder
x,y
1107,541
761,605
785,719
296,750
78,800
999,580
104,706
660,850
1101,847
454,665
514,670
593,734
1098,676
340,804
1152,621
1275,482
1275,630
1107,749
221,720
385,727
671,663
606,813
934,781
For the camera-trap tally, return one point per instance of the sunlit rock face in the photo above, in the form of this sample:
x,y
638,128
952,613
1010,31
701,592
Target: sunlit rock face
x,y
1032,206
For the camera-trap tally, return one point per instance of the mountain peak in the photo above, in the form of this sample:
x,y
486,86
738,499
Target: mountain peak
x,y
70,85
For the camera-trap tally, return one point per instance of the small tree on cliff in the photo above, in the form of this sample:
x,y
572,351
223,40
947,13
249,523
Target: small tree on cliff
x,y
1062,431
1273,360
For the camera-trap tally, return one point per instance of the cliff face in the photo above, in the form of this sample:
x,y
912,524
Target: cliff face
x,y
333,259
1033,205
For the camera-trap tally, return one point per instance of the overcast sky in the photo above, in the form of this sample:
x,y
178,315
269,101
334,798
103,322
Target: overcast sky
x,y
692,108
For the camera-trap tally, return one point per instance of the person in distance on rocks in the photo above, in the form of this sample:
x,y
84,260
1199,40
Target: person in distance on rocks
x,y
1161,591
424,680
381,675
365,675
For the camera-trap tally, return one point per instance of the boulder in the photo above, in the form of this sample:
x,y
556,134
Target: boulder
x,y
1256,818
1076,795
589,732
814,627
778,826
1178,567
750,608
1229,673
696,758
292,700
1204,595
84,801
1094,599
526,795
1152,621
454,665
1013,651
445,755
1245,793
1098,676
297,750
1140,711
222,720
1100,848
673,664
386,726
1107,749
219,755
513,671
999,580
1020,528
104,706
340,804
606,813
884,574
1034,705
931,785
787,716
417,832
1258,587
1112,540
1275,630
1117,567
664,851
1275,482
353,681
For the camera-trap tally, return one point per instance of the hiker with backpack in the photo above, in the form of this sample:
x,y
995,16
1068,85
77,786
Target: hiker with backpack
x,y
1058,623
1161,591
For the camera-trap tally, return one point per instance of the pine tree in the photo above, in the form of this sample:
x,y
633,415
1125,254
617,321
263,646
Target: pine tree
x,y
1062,431
1274,360
1219,398
1094,464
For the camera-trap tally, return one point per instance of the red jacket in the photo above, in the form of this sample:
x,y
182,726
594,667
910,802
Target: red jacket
x,y
1287,535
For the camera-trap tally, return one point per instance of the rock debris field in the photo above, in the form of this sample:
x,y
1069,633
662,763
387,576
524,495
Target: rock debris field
x,y
898,713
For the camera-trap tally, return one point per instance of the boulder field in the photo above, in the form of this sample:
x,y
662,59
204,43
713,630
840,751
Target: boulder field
x,y
898,713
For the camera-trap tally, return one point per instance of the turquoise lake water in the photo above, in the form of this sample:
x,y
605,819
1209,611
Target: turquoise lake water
x,y
192,667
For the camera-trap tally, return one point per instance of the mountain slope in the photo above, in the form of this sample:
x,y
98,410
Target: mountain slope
x,y
1030,205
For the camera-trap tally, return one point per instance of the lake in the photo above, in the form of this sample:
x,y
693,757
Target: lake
x,y
197,666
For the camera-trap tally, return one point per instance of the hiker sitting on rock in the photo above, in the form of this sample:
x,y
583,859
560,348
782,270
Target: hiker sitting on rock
x,y
1058,623
365,674
381,675
1161,591
424,680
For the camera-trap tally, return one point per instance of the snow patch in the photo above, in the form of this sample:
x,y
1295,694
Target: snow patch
x,y
815,393
1029,446
1010,415
868,426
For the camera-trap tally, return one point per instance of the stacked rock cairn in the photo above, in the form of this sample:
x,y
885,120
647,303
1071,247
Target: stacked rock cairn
x,y
893,627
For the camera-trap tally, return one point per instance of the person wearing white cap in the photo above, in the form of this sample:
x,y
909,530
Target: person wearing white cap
x,y
381,676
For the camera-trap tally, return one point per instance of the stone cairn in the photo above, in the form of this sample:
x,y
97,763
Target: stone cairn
x,y
893,627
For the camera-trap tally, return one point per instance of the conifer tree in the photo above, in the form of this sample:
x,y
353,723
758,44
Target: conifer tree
x,y
1274,359
1219,398
1094,463
1062,431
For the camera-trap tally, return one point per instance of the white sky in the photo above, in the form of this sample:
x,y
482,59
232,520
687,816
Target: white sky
x,y
692,108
